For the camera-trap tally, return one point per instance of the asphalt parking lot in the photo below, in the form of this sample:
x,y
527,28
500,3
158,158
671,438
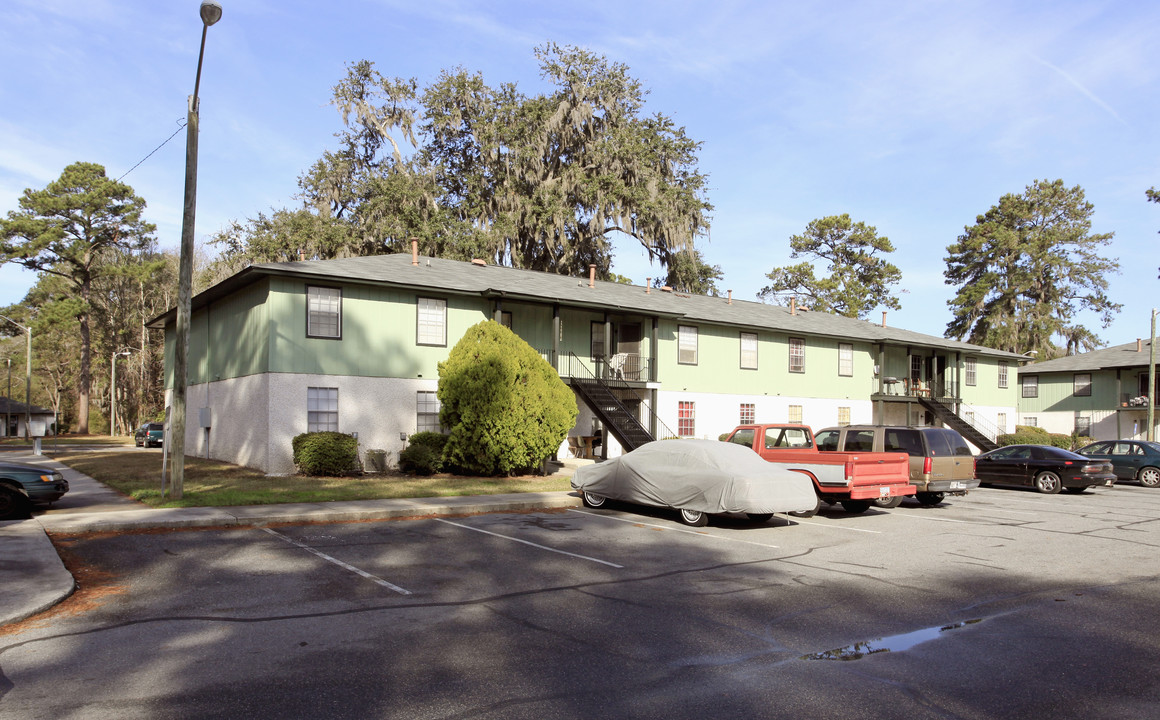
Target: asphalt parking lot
x,y
1001,604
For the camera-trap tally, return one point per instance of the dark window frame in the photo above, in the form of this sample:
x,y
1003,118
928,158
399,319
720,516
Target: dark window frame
x,y
1030,386
1081,390
338,314
800,344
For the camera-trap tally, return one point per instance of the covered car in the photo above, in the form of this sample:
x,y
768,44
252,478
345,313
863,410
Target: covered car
x,y
697,477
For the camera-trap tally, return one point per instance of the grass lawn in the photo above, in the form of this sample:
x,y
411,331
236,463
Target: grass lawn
x,y
58,440
216,483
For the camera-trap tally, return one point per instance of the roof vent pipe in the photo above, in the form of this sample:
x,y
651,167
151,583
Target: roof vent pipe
x,y
415,251
648,286
592,275
1139,345
793,306
730,297
883,318
302,255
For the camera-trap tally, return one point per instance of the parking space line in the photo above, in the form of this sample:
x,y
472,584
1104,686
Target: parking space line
x,y
674,529
525,542
796,521
340,563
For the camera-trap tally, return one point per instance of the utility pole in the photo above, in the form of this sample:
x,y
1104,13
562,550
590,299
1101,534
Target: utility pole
x,y
1152,380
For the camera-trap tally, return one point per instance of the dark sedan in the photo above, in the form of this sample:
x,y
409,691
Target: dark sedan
x,y
1131,459
1045,468
22,485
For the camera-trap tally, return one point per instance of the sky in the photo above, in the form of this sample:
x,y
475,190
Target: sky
x,y
914,116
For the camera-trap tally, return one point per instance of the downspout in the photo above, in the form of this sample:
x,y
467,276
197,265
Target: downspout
x,y
1119,413
556,337
607,344
880,405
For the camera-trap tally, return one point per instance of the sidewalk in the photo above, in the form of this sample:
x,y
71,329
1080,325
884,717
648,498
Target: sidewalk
x,y
33,579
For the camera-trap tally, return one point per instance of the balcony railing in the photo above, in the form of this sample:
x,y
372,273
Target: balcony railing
x,y
630,367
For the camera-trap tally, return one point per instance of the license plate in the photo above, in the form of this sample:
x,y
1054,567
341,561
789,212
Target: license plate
x,y
884,492
958,486
1109,483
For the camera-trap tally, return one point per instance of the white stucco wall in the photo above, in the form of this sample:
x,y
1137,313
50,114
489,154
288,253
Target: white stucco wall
x,y
720,413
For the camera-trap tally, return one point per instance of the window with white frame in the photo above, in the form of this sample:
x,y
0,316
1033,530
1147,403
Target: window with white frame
x,y
748,413
1003,373
427,412
323,312
1082,385
686,418
321,409
845,359
843,416
1001,422
686,345
797,355
972,372
1030,386
1030,421
748,351
795,414
431,321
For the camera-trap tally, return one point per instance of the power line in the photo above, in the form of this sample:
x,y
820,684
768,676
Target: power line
x,y
179,129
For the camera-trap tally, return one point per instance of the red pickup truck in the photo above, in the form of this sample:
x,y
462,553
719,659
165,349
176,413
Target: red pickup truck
x,y
853,479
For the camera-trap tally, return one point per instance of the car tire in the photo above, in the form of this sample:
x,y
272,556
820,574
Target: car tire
x,y
808,513
592,500
13,505
1149,477
856,506
929,499
1048,483
694,518
759,517
888,502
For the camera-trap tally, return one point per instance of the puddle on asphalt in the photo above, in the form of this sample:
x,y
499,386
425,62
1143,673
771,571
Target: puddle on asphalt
x,y
894,643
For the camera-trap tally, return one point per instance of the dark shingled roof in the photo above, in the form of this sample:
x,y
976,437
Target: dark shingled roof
x,y
499,282
1118,356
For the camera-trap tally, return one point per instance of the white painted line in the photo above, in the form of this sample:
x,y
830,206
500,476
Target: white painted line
x,y
525,542
341,564
799,521
674,529
960,522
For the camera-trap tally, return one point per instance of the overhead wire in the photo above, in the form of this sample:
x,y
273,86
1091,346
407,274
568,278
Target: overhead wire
x,y
179,129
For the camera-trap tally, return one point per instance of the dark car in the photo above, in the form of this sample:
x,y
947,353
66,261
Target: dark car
x,y
1131,459
1047,469
150,434
22,486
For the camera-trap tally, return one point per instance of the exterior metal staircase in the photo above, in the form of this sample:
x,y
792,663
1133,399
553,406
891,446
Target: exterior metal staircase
x,y
618,419
946,413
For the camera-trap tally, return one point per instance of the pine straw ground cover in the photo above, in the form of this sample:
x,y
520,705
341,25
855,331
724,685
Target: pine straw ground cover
x,y
216,483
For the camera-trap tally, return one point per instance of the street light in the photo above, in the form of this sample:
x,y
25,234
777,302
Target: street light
x,y
27,379
113,392
211,12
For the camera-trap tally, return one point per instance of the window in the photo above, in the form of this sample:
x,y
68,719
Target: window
x,y
859,441
797,355
795,414
686,345
748,413
427,412
915,369
1030,421
748,351
845,359
321,409
686,418
1003,373
1001,421
744,437
323,312
432,322
597,340
1082,384
1083,425
1030,386
972,372
827,440
843,416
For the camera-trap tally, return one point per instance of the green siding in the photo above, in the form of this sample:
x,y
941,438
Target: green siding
x,y
227,339
1056,393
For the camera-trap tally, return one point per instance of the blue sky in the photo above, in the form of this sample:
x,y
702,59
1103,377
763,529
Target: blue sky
x,y
914,117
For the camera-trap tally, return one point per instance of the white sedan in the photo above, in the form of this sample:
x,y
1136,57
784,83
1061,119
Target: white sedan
x,y
697,477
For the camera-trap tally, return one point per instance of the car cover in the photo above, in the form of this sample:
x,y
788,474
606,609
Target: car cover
x,y
706,475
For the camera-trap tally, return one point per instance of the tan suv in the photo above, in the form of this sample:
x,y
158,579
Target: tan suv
x,y
940,459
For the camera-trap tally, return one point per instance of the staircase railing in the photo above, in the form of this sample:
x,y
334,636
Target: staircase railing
x,y
573,367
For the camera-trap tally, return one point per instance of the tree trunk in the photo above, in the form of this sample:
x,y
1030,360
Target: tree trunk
x,y
85,381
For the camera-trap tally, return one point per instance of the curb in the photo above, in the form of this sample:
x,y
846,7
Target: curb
x,y
30,555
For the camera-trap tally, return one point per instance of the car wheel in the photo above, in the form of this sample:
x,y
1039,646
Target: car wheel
x,y
888,502
856,506
695,518
929,499
759,517
808,513
1048,483
1149,477
13,505
1076,490
593,500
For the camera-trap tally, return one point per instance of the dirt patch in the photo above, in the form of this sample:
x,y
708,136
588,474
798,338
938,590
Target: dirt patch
x,y
94,588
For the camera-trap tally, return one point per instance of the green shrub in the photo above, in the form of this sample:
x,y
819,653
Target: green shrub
x,y
419,460
505,406
1036,438
435,441
325,454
